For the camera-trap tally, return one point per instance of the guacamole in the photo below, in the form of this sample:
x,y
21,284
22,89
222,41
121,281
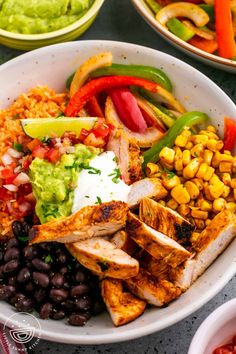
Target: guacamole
x,y
40,16
53,184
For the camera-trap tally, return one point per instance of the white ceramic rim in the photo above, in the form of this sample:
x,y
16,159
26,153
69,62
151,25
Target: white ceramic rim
x,y
146,13
25,37
216,316
191,307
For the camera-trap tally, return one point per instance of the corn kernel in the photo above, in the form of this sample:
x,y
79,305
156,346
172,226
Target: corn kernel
x,y
167,155
152,169
199,139
231,206
226,179
207,222
215,145
216,190
199,183
207,193
183,210
216,159
207,156
214,179
234,165
210,135
205,205
172,204
219,204
189,145
225,167
197,150
226,192
200,224
181,140
186,158
194,237
170,182
199,214
179,165
192,189
209,173
211,128
191,169
230,198
233,183
162,202
180,194
234,194
202,170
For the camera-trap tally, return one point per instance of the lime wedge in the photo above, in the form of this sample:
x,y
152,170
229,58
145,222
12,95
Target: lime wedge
x,y
41,127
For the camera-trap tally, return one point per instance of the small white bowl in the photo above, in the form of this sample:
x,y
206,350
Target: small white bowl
x,y
217,329
210,59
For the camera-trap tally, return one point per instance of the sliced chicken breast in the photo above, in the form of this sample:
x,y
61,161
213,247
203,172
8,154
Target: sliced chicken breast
x,y
154,242
144,140
103,258
127,152
123,306
149,288
90,221
210,244
165,220
122,241
154,266
147,187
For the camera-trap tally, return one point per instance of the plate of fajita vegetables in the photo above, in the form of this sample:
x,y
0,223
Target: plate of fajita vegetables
x,y
205,29
117,190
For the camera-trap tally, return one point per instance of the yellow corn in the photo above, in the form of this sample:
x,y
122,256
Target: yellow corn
x,y
230,198
226,192
194,236
180,194
215,145
183,210
152,169
172,204
234,165
233,183
219,204
186,157
207,193
192,189
199,139
199,223
210,135
225,167
205,205
197,150
211,128
162,202
216,190
199,183
181,140
199,214
231,206
191,169
209,173
202,170
167,155
234,194
226,179
207,156
207,222
179,165
189,145
216,159
170,182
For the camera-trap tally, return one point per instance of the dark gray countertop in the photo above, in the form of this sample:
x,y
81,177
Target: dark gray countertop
x,y
119,21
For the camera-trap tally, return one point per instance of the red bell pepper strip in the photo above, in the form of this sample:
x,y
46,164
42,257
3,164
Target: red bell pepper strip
x,y
208,45
229,134
224,29
128,109
94,108
96,86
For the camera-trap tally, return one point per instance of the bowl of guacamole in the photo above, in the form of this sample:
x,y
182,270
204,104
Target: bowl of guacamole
x,y
32,24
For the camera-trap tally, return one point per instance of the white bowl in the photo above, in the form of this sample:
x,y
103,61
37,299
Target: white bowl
x,y
51,66
210,59
217,329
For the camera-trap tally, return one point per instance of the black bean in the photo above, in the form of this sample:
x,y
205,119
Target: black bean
x,y
83,304
58,280
63,270
16,298
58,315
76,319
61,258
41,279
30,252
46,310
24,275
26,227
6,291
98,307
80,276
41,265
12,281
40,295
29,287
25,305
11,266
69,305
12,253
46,246
58,295
18,229
79,290
1,271
13,242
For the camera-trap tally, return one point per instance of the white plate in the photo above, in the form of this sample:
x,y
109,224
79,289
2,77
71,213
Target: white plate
x,y
51,66
210,59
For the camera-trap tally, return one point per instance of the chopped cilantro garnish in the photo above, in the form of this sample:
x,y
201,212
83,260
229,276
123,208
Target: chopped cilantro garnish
x,y
116,175
23,238
46,140
17,147
86,196
169,174
48,259
49,210
99,200
82,166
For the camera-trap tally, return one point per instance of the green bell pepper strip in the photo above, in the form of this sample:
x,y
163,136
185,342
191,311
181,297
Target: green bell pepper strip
x,y
69,81
154,6
188,119
179,29
145,72
168,121
209,9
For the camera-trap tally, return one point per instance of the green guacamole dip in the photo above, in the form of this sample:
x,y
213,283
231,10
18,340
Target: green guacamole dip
x,y
53,184
40,16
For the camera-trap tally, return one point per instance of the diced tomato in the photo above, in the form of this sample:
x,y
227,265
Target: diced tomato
x,y
40,152
53,155
225,349
33,144
102,130
10,180
5,195
26,161
8,172
83,134
25,189
229,134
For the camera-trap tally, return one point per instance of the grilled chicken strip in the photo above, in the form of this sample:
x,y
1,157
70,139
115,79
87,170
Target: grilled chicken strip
x,y
154,242
144,140
149,288
103,258
127,152
122,241
209,245
123,306
154,266
97,220
147,187
165,220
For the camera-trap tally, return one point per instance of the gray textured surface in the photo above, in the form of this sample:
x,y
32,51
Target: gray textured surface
x,y
119,21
